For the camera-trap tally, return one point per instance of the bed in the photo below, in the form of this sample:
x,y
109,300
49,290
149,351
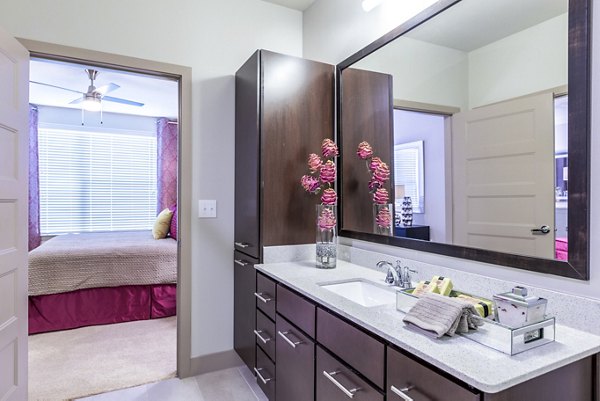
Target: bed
x,y
78,280
561,246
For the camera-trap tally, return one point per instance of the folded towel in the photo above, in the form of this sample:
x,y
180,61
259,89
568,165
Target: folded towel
x,y
443,315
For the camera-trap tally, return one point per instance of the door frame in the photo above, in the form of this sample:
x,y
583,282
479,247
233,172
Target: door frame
x,y
183,75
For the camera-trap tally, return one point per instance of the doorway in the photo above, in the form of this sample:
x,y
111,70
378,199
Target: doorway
x,y
182,75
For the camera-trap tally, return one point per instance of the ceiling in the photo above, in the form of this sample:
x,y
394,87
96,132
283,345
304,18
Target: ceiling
x,y
299,5
492,20
160,96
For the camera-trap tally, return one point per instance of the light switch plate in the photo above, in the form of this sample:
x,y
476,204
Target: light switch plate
x,y
207,208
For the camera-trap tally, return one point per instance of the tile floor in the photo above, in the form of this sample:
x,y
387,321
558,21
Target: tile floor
x,y
235,384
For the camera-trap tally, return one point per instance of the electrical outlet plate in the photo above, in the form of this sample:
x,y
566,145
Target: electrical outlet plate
x,y
207,208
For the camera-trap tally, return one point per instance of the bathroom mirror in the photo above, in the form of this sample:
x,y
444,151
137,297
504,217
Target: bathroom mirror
x,y
481,111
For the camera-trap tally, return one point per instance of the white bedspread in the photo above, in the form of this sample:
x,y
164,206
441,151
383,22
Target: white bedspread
x,y
75,261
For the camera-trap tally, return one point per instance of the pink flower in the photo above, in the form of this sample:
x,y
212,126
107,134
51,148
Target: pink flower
x,y
381,196
327,172
314,162
310,184
326,220
382,173
329,197
364,150
373,185
375,162
329,148
384,218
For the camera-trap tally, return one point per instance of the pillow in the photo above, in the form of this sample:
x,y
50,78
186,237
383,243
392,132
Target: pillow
x,y
162,224
173,230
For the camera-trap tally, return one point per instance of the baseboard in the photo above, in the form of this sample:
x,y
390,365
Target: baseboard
x,y
213,362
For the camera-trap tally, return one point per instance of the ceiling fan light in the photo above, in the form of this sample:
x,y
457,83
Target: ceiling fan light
x,y
91,103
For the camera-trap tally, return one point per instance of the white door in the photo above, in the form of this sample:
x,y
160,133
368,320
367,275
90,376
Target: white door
x,y
503,176
14,175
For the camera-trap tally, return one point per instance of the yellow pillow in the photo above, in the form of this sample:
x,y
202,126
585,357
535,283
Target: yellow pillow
x,y
162,224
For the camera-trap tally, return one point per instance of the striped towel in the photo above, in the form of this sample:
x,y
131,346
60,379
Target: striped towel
x,y
441,315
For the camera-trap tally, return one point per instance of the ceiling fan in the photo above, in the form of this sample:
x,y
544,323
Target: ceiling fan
x,y
92,99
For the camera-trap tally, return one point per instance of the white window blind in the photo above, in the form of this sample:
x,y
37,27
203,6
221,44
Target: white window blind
x,y
409,174
96,181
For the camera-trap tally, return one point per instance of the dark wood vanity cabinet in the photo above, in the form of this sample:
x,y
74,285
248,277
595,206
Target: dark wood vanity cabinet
x,y
283,111
408,379
284,108
244,307
294,363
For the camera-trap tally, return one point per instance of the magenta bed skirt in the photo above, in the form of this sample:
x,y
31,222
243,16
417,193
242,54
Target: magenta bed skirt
x,y
94,306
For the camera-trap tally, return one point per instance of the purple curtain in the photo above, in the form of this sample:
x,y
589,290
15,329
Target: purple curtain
x,y
35,238
167,163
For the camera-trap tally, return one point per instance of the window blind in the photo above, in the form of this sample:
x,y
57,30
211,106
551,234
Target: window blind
x,y
407,172
96,181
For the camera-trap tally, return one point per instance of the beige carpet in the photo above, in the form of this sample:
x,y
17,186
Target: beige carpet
x,y
91,360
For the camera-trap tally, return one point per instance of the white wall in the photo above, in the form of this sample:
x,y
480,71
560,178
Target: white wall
x,y
431,74
529,61
335,29
214,38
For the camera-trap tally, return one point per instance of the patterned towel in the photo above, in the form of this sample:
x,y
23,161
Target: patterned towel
x,y
441,315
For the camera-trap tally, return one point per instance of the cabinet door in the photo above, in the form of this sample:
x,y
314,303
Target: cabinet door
x,y
265,374
295,363
409,380
244,307
247,158
337,382
297,114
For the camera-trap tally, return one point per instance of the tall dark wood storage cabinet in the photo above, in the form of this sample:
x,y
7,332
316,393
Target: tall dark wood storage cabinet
x,y
284,108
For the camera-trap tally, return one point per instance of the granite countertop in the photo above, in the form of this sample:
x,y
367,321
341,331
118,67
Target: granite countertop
x,y
477,365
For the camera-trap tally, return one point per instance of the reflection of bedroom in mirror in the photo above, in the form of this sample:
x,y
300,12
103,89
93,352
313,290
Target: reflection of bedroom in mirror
x,y
486,99
103,257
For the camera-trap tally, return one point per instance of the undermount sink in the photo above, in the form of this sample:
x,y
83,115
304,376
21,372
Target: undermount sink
x,y
362,292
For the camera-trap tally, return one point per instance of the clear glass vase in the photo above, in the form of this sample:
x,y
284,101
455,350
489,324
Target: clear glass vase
x,y
326,236
383,219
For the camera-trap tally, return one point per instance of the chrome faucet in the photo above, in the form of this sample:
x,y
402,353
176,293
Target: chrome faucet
x,y
397,275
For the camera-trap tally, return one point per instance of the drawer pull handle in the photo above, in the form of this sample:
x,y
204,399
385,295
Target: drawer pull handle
x,y
261,377
349,393
260,337
287,340
260,296
241,244
240,262
401,392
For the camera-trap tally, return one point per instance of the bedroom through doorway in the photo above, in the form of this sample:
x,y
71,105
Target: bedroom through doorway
x,y
103,228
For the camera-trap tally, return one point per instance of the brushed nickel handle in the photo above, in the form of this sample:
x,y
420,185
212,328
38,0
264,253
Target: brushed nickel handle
x,y
259,295
240,262
241,244
402,392
283,335
261,377
349,393
543,230
260,337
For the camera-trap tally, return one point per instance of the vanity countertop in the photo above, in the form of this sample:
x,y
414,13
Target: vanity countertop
x,y
481,367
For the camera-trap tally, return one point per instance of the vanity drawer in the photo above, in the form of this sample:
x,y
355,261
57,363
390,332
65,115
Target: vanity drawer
x,y
265,374
265,334
265,295
357,348
408,379
296,309
336,382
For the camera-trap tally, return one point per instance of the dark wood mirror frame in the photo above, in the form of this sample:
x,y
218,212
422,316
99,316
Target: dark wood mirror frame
x,y
577,266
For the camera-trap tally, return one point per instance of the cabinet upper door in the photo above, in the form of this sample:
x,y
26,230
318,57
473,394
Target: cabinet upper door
x,y
247,155
297,114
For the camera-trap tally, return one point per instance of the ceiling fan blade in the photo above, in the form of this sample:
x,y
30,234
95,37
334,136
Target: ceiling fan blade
x,y
122,101
104,89
77,101
54,86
